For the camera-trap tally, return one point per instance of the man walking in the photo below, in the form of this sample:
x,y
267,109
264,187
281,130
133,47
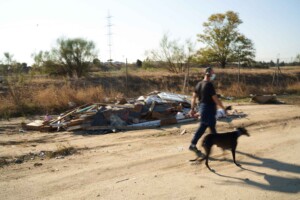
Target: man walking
x,y
208,100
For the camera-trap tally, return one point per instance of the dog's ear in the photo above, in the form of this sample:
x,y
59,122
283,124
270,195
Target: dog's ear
x,y
244,131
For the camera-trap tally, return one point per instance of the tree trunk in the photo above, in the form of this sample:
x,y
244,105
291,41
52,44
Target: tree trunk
x,y
223,63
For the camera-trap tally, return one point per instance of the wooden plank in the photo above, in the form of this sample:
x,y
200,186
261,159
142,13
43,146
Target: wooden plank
x,y
75,122
78,127
117,105
119,127
69,112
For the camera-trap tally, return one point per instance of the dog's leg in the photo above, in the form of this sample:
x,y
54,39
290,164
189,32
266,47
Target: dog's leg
x,y
224,154
233,156
207,151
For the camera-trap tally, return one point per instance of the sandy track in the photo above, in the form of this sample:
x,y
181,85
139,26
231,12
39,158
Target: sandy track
x,y
153,164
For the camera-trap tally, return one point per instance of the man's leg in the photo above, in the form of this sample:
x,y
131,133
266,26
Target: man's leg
x,y
199,133
196,137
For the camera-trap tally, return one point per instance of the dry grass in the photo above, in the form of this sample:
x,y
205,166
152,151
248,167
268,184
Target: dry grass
x,y
41,94
290,99
57,98
293,88
236,90
242,90
7,107
271,70
52,99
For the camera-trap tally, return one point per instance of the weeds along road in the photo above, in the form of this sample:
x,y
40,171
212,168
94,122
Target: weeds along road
x,y
153,164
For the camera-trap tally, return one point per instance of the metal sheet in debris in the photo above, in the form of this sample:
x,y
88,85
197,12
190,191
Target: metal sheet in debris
x,y
173,97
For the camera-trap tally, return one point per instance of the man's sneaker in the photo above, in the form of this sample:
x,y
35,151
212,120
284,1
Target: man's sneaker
x,y
194,149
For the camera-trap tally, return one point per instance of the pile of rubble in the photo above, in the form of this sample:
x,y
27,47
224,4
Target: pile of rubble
x,y
151,111
154,110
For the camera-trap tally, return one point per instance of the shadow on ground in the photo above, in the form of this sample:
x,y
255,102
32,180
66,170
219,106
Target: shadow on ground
x,y
275,183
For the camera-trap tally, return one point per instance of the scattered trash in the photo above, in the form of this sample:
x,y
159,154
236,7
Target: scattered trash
x,y
37,164
153,110
59,157
220,113
150,111
123,180
3,162
183,132
71,104
229,98
47,118
35,125
60,153
19,161
22,130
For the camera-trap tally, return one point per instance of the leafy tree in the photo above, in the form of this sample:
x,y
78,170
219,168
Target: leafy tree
x,y
149,64
139,63
282,64
224,43
99,65
71,57
8,58
39,58
171,55
3,69
12,66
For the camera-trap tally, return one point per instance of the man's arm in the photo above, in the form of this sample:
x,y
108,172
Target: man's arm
x,y
218,101
193,104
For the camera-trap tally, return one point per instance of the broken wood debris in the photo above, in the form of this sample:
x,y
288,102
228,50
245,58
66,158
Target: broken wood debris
x,y
152,111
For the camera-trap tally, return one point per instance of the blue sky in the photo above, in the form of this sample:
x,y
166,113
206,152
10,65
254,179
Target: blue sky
x,y
28,26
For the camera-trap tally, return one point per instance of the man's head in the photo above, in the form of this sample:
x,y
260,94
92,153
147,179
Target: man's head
x,y
208,70
209,73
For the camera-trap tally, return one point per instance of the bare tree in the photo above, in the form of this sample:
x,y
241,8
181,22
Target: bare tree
x,y
172,55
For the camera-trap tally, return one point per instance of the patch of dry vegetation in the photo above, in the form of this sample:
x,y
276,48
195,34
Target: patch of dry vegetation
x,y
293,88
243,90
39,95
59,97
29,98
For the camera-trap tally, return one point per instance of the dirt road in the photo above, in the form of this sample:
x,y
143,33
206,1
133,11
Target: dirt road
x,y
153,164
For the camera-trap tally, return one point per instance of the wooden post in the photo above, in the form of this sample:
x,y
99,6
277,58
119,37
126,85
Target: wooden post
x,y
277,73
239,67
126,78
186,79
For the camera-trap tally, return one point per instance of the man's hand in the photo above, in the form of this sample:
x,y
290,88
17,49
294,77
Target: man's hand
x,y
192,113
193,103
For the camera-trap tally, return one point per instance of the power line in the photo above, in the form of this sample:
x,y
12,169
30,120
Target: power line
x,y
109,25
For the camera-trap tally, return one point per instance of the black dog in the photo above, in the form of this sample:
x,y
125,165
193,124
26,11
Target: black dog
x,y
226,140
